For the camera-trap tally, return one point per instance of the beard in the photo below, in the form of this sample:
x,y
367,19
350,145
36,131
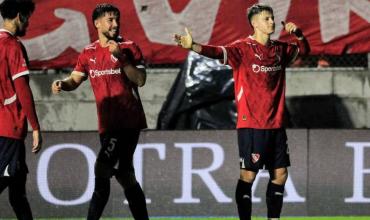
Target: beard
x,y
111,36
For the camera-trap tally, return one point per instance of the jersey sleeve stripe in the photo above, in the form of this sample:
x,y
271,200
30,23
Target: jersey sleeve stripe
x,y
26,72
140,66
79,73
225,55
10,100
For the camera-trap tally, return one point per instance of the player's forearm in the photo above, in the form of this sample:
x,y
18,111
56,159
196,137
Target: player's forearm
x,y
24,95
68,84
213,52
135,75
303,45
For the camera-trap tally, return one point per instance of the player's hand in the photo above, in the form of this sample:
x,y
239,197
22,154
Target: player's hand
x,y
37,141
56,86
114,48
116,51
185,41
291,28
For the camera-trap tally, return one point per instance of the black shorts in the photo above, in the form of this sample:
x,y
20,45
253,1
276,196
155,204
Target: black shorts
x,y
259,148
118,149
12,157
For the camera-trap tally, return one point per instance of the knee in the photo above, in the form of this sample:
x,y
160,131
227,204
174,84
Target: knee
x,y
280,177
247,176
126,179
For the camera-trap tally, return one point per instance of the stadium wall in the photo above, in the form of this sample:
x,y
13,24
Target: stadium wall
x,y
194,173
316,98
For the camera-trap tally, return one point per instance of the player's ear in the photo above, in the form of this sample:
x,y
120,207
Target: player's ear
x,y
254,21
96,23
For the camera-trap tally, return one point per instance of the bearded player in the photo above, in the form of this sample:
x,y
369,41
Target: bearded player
x,y
114,67
16,105
258,65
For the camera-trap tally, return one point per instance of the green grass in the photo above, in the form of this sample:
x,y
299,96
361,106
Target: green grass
x,y
224,218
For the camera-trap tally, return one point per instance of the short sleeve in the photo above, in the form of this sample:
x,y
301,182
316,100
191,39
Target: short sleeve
x,y
17,61
232,54
134,53
81,65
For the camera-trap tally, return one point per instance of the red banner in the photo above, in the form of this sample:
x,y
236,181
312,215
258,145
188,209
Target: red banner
x,y
59,30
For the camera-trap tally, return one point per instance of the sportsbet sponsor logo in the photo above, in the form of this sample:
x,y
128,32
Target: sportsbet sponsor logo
x,y
97,73
257,68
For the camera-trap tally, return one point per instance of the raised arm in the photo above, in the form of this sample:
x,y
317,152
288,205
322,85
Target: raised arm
x,y
186,42
135,74
302,43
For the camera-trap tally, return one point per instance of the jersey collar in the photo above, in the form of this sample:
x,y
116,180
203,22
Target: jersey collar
x,y
271,42
4,30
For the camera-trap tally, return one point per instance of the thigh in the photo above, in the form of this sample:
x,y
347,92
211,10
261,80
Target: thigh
x,y
128,143
109,151
279,154
253,144
12,157
108,155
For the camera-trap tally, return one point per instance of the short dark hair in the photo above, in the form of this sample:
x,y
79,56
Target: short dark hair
x,y
256,9
10,8
103,8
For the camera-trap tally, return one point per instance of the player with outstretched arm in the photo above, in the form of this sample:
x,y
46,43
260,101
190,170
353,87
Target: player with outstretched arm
x,y
258,65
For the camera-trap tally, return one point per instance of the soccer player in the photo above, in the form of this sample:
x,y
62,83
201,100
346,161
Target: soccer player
x,y
115,69
259,72
16,105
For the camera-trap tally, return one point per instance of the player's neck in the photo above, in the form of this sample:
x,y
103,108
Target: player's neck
x,y
9,26
261,38
103,40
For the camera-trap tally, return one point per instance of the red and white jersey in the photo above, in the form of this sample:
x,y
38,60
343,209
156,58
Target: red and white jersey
x,y
259,75
117,98
13,64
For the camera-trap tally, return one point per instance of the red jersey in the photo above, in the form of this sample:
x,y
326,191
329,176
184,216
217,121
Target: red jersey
x,y
13,64
117,98
259,75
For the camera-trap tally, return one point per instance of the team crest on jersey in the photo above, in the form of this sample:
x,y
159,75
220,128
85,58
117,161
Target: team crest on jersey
x,y
255,157
113,58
